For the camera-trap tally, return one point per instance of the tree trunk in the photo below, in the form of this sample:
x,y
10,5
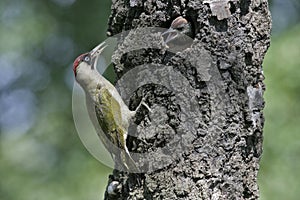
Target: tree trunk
x,y
207,126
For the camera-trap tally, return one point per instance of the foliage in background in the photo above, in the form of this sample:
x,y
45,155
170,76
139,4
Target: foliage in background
x,y
41,156
280,167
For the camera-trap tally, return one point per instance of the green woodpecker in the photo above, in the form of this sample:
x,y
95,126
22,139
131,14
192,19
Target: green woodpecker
x,y
178,29
106,108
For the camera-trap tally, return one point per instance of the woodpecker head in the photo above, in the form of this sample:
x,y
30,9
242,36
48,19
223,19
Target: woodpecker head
x,y
84,67
88,61
178,27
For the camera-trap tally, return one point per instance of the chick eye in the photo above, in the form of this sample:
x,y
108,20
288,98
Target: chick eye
x,y
87,59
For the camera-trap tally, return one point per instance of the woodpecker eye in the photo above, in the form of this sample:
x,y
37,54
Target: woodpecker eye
x,y
180,28
87,58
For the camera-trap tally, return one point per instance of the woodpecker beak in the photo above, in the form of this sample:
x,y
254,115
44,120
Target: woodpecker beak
x,y
171,34
96,52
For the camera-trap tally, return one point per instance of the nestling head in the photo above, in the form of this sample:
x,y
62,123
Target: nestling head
x,y
181,24
179,27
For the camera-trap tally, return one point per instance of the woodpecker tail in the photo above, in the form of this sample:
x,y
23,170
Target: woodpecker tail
x,y
128,162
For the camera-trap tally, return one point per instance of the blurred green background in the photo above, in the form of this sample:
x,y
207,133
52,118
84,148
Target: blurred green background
x,y
41,156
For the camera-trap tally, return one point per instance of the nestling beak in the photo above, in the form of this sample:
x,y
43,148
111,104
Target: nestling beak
x,y
96,52
171,34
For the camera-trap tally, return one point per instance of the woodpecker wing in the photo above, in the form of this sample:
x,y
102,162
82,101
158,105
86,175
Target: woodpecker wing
x,y
109,116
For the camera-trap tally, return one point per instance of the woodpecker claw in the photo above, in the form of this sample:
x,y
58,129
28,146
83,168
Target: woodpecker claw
x,y
142,103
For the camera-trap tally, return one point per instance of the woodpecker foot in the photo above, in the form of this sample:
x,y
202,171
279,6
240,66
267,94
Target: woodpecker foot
x,y
144,104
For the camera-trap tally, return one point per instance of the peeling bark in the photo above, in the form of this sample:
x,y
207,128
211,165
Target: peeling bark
x,y
219,153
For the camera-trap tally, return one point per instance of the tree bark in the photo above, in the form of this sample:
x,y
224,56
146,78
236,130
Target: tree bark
x,y
215,130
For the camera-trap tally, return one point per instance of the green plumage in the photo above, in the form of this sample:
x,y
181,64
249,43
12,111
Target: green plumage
x,y
109,117
108,112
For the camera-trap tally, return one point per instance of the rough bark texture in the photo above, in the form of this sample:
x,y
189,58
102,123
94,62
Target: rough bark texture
x,y
221,160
